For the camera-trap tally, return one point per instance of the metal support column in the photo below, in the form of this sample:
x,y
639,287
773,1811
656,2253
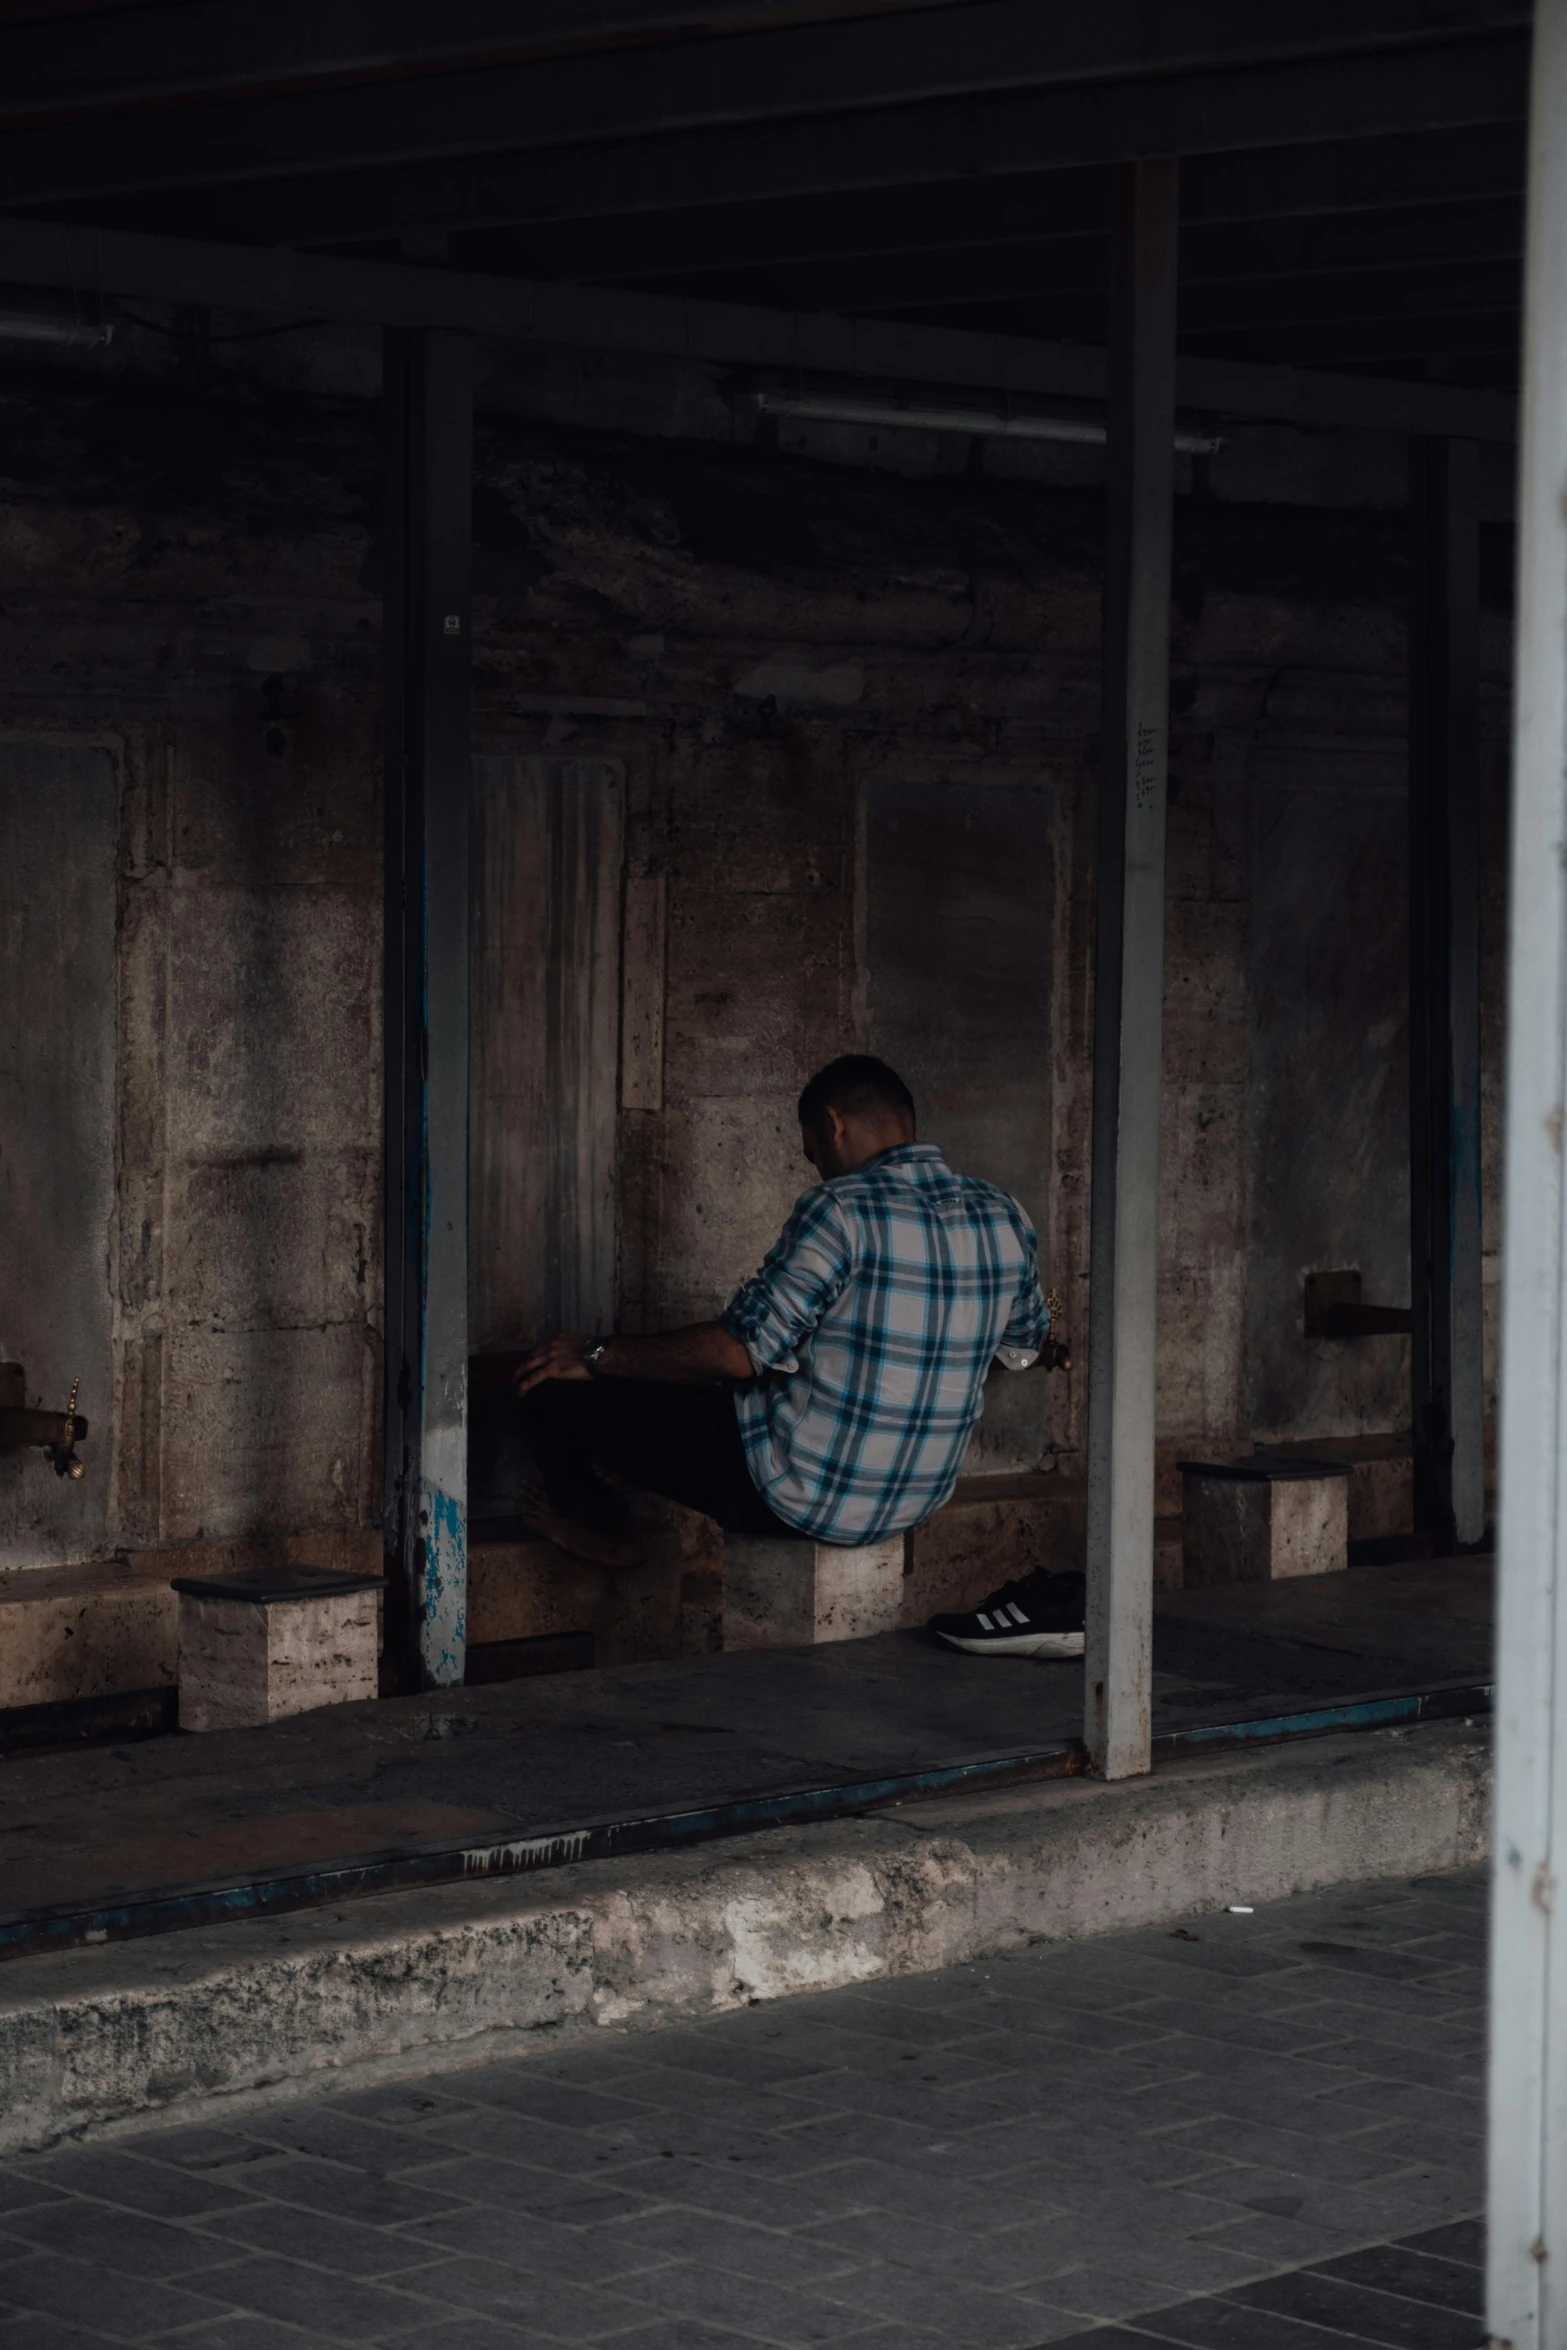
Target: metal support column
x,y
429,503
1129,969
1526,2289
1444,991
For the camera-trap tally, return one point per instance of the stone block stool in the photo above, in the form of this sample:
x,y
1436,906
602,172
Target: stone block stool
x,y
781,1594
274,1641
1260,1520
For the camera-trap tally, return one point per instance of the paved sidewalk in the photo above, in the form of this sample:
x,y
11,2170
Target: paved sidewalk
x,y
1254,2133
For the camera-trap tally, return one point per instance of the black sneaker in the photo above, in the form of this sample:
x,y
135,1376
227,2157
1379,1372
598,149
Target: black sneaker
x,y
1039,1615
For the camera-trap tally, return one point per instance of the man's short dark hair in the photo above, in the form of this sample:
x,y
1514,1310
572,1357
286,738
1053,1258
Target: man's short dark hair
x,y
856,1085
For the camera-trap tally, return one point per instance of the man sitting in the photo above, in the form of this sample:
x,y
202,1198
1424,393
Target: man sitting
x,y
835,1397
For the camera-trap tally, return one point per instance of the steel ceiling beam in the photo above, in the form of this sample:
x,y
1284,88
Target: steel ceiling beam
x,y
768,125
1369,341
1296,183
1279,254
92,263
822,52
145,56
1434,290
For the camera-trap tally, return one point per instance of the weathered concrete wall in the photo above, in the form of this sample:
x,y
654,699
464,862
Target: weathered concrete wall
x,y
769,645
179,578
58,825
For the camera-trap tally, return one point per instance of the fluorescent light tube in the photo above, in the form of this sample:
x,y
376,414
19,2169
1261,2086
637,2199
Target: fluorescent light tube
x,y
35,326
822,408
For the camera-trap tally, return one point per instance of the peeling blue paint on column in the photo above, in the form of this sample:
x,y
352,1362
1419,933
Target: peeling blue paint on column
x,y
443,1632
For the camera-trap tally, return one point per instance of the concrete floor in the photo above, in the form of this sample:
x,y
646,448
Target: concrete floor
x,y
611,1744
1254,2132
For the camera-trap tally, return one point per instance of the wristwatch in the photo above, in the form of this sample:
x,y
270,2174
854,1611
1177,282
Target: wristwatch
x,y
591,1355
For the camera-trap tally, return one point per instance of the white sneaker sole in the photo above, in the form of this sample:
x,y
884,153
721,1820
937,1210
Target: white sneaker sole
x,y
1018,1644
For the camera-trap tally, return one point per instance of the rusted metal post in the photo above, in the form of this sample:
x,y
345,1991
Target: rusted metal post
x,y
1526,2285
1129,969
428,554
1444,998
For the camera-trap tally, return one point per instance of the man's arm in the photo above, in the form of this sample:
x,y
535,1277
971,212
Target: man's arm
x,y
1028,1326
688,1358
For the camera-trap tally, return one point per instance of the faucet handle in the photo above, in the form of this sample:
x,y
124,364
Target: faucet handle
x,y
64,1458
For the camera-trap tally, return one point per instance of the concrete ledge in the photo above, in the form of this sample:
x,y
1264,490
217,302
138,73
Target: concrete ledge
x,y
94,2039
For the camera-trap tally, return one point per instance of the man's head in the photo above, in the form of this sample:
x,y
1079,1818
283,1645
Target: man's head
x,y
853,1109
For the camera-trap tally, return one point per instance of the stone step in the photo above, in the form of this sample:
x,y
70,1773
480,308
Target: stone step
x,y
1381,1480
111,1626
208,2021
68,1633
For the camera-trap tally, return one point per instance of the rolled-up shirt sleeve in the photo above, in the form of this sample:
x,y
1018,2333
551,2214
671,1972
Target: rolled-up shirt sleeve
x,y
1029,1323
805,1271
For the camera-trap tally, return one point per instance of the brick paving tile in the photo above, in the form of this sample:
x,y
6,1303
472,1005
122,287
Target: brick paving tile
x,y
1358,2211
1411,2102
861,2057
1462,2240
780,2154
407,2104
574,2203
1419,2276
128,2309
490,2232
1084,2293
242,2333
1442,2061
952,2198
915,2241
1264,2139
22,2191
340,2308
126,2180
771,2202
692,2092
1281,2243
1096,2148
992,2321
918,2027
578,2110
1411,2000
1229,2325
338,2137
1352,2160
489,2129
891,2337
1444,2190
322,2238
120,2240
1110,2337
1349,2020
748,2304
203,2150
681,2333
1359,2310
731,2245
379,2201
522,2296
472,2333
29,2332
744,2066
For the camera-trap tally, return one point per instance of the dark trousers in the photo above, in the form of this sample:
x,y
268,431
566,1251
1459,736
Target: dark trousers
x,y
682,1442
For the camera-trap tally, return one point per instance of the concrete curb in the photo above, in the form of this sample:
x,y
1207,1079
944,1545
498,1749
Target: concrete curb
x,y
92,2040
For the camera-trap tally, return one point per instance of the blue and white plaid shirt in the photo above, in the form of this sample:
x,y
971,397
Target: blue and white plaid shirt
x,y
871,1326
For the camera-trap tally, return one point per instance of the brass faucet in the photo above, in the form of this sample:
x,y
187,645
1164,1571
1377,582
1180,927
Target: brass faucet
x,y
57,1434
1056,1353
